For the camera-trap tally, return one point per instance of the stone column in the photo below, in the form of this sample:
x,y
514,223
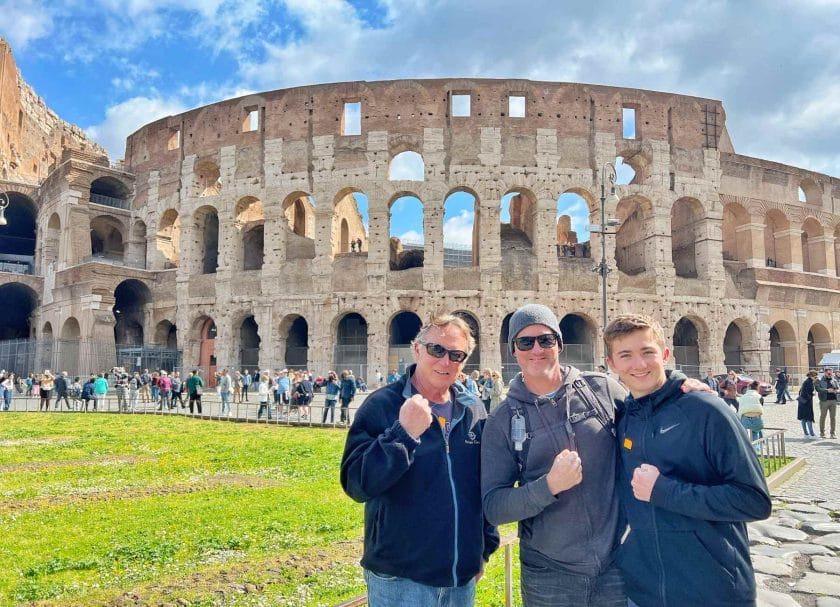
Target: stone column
x,y
789,248
751,241
433,245
379,242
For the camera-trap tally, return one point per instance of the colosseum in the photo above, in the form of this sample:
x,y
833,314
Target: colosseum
x,y
257,231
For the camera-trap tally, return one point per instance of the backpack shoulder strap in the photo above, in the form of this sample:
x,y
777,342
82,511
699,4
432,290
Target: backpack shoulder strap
x,y
583,386
520,454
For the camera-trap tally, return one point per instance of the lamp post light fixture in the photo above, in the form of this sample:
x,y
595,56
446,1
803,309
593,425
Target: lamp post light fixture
x,y
4,204
608,176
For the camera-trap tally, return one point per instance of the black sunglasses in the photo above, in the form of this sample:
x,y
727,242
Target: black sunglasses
x,y
547,340
438,351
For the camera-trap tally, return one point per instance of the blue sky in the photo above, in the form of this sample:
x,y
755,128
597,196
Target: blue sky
x,y
111,66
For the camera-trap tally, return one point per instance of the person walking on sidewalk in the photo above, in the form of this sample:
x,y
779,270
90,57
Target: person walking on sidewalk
x,y
827,389
781,385
805,404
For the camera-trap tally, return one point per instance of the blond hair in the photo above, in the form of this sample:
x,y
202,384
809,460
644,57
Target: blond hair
x,y
630,323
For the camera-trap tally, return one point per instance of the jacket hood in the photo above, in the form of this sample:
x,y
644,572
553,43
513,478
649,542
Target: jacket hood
x,y
670,389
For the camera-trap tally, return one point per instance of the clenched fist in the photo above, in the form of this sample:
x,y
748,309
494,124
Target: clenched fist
x,y
644,478
566,472
415,416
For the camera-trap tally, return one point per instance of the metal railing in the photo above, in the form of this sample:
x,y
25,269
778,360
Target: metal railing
x,y
115,260
110,201
770,449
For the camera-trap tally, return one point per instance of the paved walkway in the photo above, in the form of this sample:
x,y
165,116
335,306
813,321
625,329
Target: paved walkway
x,y
795,551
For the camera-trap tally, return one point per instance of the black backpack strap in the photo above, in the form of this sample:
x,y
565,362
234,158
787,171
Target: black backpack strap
x,y
584,389
521,455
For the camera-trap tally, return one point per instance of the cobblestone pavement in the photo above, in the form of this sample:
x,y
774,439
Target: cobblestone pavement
x,y
795,551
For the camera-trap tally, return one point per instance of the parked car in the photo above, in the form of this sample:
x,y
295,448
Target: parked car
x,y
744,382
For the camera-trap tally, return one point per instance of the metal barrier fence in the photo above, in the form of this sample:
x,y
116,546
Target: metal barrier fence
x,y
771,449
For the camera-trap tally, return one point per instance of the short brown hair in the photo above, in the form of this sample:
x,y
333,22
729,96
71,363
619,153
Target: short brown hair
x,y
630,323
441,321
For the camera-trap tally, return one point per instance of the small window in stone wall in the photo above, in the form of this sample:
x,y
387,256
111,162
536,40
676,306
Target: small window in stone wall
x,y
628,122
802,196
252,119
174,139
516,106
460,105
351,120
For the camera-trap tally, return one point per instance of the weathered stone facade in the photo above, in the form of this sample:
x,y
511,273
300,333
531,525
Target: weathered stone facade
x,y
239,215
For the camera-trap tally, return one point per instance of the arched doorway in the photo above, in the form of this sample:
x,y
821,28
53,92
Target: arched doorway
x,y
819,342
578,342
130,300
17,237
351,344
687,348
733,350
19,305
782,345
207,349
402,330
509,365
474,361
297,344
249,344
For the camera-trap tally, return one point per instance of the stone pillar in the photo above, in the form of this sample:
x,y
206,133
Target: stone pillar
x,y
379,242
825,244
377,350
274,242
263,315
789,248
433,245
751,241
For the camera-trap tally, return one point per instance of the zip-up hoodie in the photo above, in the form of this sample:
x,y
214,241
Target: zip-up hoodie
x,y
423,518
688,545
578,529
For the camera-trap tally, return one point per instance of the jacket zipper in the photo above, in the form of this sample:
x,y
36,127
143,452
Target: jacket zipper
x,y
646,427
454,495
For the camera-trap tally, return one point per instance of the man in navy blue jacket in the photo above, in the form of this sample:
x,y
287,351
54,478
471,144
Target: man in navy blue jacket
x,y
412,456
689,481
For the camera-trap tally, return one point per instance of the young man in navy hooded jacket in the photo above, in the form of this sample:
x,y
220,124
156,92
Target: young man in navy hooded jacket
x,y
689,480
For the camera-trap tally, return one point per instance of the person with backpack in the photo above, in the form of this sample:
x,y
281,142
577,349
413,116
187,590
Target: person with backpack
x,y
548,462
87,392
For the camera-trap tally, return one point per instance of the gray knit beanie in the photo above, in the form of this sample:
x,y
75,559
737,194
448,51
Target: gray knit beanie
x,y
532,314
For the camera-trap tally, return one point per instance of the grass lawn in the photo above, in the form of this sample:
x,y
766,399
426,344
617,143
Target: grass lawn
x,y
147,510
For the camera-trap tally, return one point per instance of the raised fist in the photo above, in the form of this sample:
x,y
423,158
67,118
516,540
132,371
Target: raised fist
x,y
566,472
415,416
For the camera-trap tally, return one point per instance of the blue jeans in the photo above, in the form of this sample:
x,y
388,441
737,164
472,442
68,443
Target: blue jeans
x,y
390,591
155,393
754,424
7,399
225,403
544,586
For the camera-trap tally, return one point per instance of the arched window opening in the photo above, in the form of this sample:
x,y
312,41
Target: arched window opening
x,y
813,246
473,363
686,231
783,345
20,303
625,173
407,166
578,342
249,222
17,237
819,343
733,349
460,230
297,344
53,239
630,238
517,218
350,223
351,344
207,178
110,192
687,348
406,228
106,239
810,192
168,238
207,346
571,228
253,248
299,210
207,224
776,240
736,241
249,344
401,331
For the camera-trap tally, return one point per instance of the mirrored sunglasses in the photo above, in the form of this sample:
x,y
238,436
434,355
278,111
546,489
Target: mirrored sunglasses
x,y
547,340
438,351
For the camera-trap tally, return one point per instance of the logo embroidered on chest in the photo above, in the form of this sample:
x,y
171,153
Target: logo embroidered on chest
x,y
471,439
668,428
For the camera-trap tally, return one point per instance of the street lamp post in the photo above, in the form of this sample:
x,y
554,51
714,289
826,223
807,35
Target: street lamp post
x,y
608,175
4,204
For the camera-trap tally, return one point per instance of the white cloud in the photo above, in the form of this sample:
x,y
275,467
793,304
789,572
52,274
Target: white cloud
x,y
31,22
458,230
124,118
407,166
412,237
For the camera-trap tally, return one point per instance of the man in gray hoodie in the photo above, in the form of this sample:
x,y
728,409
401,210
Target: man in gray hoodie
x,y
548,462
